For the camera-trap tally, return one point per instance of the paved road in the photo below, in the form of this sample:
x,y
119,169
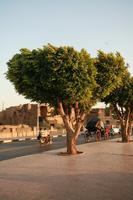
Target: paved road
x,y
29,147
23,148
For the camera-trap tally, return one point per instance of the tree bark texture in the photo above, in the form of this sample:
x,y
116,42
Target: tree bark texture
x,y
124,117
73,122
124,133
71,144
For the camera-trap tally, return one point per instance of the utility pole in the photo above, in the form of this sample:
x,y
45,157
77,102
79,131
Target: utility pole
x,y
38,114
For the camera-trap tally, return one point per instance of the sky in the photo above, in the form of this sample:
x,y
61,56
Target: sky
x,y
89,24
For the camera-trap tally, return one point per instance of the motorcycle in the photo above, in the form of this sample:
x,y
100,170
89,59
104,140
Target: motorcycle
x,y
44,137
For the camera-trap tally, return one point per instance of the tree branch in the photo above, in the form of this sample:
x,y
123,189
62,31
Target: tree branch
x,y
118,113
79,124
65,117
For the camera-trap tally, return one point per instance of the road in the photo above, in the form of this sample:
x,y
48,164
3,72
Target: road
x,y
29,147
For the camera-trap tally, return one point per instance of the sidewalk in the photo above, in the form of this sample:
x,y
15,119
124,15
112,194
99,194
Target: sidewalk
x,y
103,172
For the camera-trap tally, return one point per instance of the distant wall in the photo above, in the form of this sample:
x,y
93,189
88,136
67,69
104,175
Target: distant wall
x,y
12,132
16,115
22,121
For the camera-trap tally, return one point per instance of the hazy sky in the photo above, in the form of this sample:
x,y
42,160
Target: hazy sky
x,y
89,24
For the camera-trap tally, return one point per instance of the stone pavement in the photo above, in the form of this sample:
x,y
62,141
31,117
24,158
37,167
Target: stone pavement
x,y
103,172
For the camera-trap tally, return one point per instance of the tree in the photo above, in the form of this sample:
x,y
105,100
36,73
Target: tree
x,y
68,80
115,87
110,70
60,76
121,100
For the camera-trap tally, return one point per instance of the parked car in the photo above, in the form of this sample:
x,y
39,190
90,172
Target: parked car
x,y
115,130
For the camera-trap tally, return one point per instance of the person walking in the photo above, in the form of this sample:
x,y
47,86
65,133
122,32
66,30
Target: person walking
x,y
99,127
107,130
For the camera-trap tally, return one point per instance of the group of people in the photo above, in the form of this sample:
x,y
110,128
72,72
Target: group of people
x,y
101,130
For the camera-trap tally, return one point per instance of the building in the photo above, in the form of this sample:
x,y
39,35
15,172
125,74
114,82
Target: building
x,y
31,115
104,114
23,114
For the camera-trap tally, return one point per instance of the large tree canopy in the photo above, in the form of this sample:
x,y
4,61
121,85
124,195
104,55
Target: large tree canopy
x,y
60,76
43,75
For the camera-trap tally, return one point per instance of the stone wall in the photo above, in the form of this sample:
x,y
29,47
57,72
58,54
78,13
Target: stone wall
x,y
16,115
15,132
19,122
23,121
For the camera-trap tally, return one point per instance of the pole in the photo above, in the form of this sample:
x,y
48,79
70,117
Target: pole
x,y
38,114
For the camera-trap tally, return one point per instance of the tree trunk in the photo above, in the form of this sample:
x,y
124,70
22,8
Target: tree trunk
x,y
125,123
124,133
125,138
125,126
72,129
130,128
71,144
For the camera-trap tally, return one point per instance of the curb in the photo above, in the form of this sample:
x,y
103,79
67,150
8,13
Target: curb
x,y
55,136
16,140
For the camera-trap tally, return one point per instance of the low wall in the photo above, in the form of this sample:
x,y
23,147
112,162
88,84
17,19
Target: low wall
x,y
8,132
12,132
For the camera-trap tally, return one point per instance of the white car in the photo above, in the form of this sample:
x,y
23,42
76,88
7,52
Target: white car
x,y
115,130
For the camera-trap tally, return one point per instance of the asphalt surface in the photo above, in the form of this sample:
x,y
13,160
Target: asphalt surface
x,y
30,147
